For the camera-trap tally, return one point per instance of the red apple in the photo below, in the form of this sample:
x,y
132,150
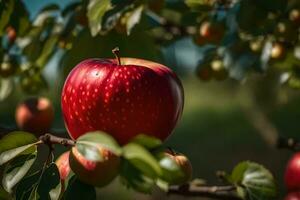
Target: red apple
x,y
11,34
292,173
96,173
293,196
123,97
63,165
35,115
210,32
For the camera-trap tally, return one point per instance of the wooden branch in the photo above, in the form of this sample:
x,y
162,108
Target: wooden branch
x,y
50,139
216,192
47,138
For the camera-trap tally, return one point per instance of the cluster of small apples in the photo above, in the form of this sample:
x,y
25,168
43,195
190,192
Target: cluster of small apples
x,y
284,46
292,178
101,173
214,69
35,115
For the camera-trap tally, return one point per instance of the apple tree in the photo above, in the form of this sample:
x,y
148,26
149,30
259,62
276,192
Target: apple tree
x,y
119,107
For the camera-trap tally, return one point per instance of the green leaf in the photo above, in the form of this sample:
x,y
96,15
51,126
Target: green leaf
x,y
90,143
162,184
77,190
6,9
134,178
95,12
70,8
58,192
134,18
6,87
49,180
47,51
200,5
254,181
20,18
15,143
142,159
16,170
27,185
38,185
50,7
4,195
147,141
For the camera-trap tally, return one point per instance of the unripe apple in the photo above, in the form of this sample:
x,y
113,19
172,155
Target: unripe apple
x,y
292,173
35,115
185,166
63,165
96,173
293,196
123,97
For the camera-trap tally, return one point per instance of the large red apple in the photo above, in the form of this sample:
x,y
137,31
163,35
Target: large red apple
x,y
124,97
293,196
292,173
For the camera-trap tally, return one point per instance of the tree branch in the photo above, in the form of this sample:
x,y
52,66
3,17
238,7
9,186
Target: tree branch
x,y
216,192
50,139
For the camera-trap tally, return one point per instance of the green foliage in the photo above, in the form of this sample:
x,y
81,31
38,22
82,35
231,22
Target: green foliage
x,y
6,88
96,11
89,144
146,141
6,9
141,159
38,185
77,190
134,178
253,181
16,169
16,143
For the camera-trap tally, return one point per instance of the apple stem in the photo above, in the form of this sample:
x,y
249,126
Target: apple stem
x,y
173,153
116,52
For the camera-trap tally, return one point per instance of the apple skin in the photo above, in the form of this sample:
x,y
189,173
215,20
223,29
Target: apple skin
x,y
125,100
35,115
185,166
292,173
96,173
63,165
293,196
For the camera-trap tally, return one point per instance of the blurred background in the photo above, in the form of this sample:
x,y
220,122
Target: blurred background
x,y
238,61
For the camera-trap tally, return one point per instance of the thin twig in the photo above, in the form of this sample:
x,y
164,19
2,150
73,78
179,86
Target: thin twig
x,y
52,139
216,192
